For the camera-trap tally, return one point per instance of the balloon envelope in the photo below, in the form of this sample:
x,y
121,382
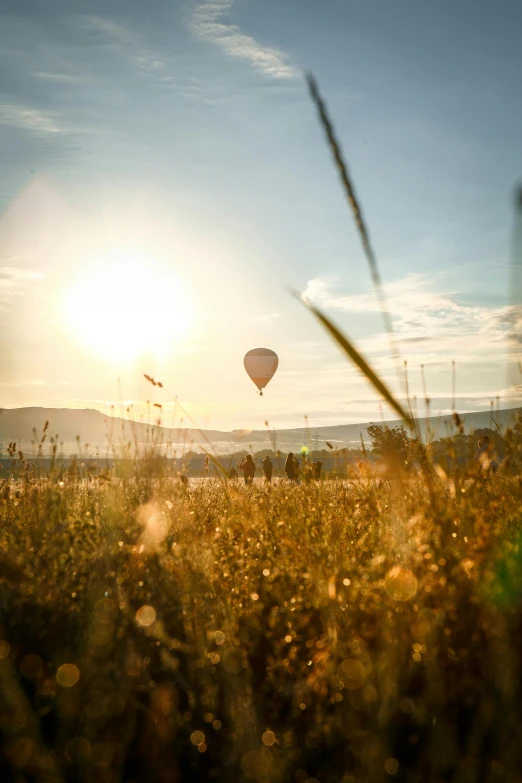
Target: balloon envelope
x,y
261,364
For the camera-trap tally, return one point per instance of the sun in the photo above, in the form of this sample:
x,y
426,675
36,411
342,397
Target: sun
x,y
125,305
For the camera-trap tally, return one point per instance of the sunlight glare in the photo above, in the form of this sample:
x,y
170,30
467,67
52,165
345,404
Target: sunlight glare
x,y
127,305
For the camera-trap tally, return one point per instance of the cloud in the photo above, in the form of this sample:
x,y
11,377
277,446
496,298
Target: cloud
x,y
124,42
206,24
421,314
433,328
33,121
401,294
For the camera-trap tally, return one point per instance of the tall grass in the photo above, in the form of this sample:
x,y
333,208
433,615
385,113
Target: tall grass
x,y
334,631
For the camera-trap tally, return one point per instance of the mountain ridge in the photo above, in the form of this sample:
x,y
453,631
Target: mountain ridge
x,y
100,433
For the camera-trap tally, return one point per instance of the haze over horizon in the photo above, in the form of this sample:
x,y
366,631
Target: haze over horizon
x,y
90,433
165,179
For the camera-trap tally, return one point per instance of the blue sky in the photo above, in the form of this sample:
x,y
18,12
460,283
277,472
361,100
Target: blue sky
x,y
184,130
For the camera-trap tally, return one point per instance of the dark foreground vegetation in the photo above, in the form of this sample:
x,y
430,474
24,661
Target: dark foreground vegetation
x,y
336,631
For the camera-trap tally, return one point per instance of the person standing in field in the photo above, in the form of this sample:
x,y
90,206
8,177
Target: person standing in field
x,y
248,466
292,467
268,468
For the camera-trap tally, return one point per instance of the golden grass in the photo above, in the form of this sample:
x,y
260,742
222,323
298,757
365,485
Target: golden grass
x,y
335,630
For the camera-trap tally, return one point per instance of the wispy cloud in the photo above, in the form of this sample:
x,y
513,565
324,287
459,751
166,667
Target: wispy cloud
x,y
124,42
417,310
34,121
412,291
207,25
428,322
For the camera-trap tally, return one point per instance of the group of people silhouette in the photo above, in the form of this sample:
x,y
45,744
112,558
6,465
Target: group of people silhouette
x,y
292,469
485,456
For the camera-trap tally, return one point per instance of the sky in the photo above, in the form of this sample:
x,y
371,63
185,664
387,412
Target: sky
x,y
165,184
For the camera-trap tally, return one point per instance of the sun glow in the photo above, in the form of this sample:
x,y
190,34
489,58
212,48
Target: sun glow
x,y
128,305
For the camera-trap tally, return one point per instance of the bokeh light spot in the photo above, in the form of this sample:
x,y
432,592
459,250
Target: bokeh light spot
x,y
146,615
269,738
197,738
67,675
391,766
401,584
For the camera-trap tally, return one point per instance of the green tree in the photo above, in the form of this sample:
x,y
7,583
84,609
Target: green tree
x,y
391,444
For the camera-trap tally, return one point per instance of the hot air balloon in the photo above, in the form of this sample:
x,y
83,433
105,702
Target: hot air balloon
x,y
261,364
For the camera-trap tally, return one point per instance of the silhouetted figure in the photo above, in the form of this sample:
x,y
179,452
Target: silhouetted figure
x,y
232,473
317,469
248,466
292,467
268,468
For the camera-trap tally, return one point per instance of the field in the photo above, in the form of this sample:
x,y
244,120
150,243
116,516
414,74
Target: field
x,y
155,628
336,631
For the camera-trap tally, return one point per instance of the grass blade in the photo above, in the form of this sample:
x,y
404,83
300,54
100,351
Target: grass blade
x,y
356,210
350,351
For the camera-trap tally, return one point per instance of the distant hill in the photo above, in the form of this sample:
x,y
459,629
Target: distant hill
x,y
96,432
104,433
